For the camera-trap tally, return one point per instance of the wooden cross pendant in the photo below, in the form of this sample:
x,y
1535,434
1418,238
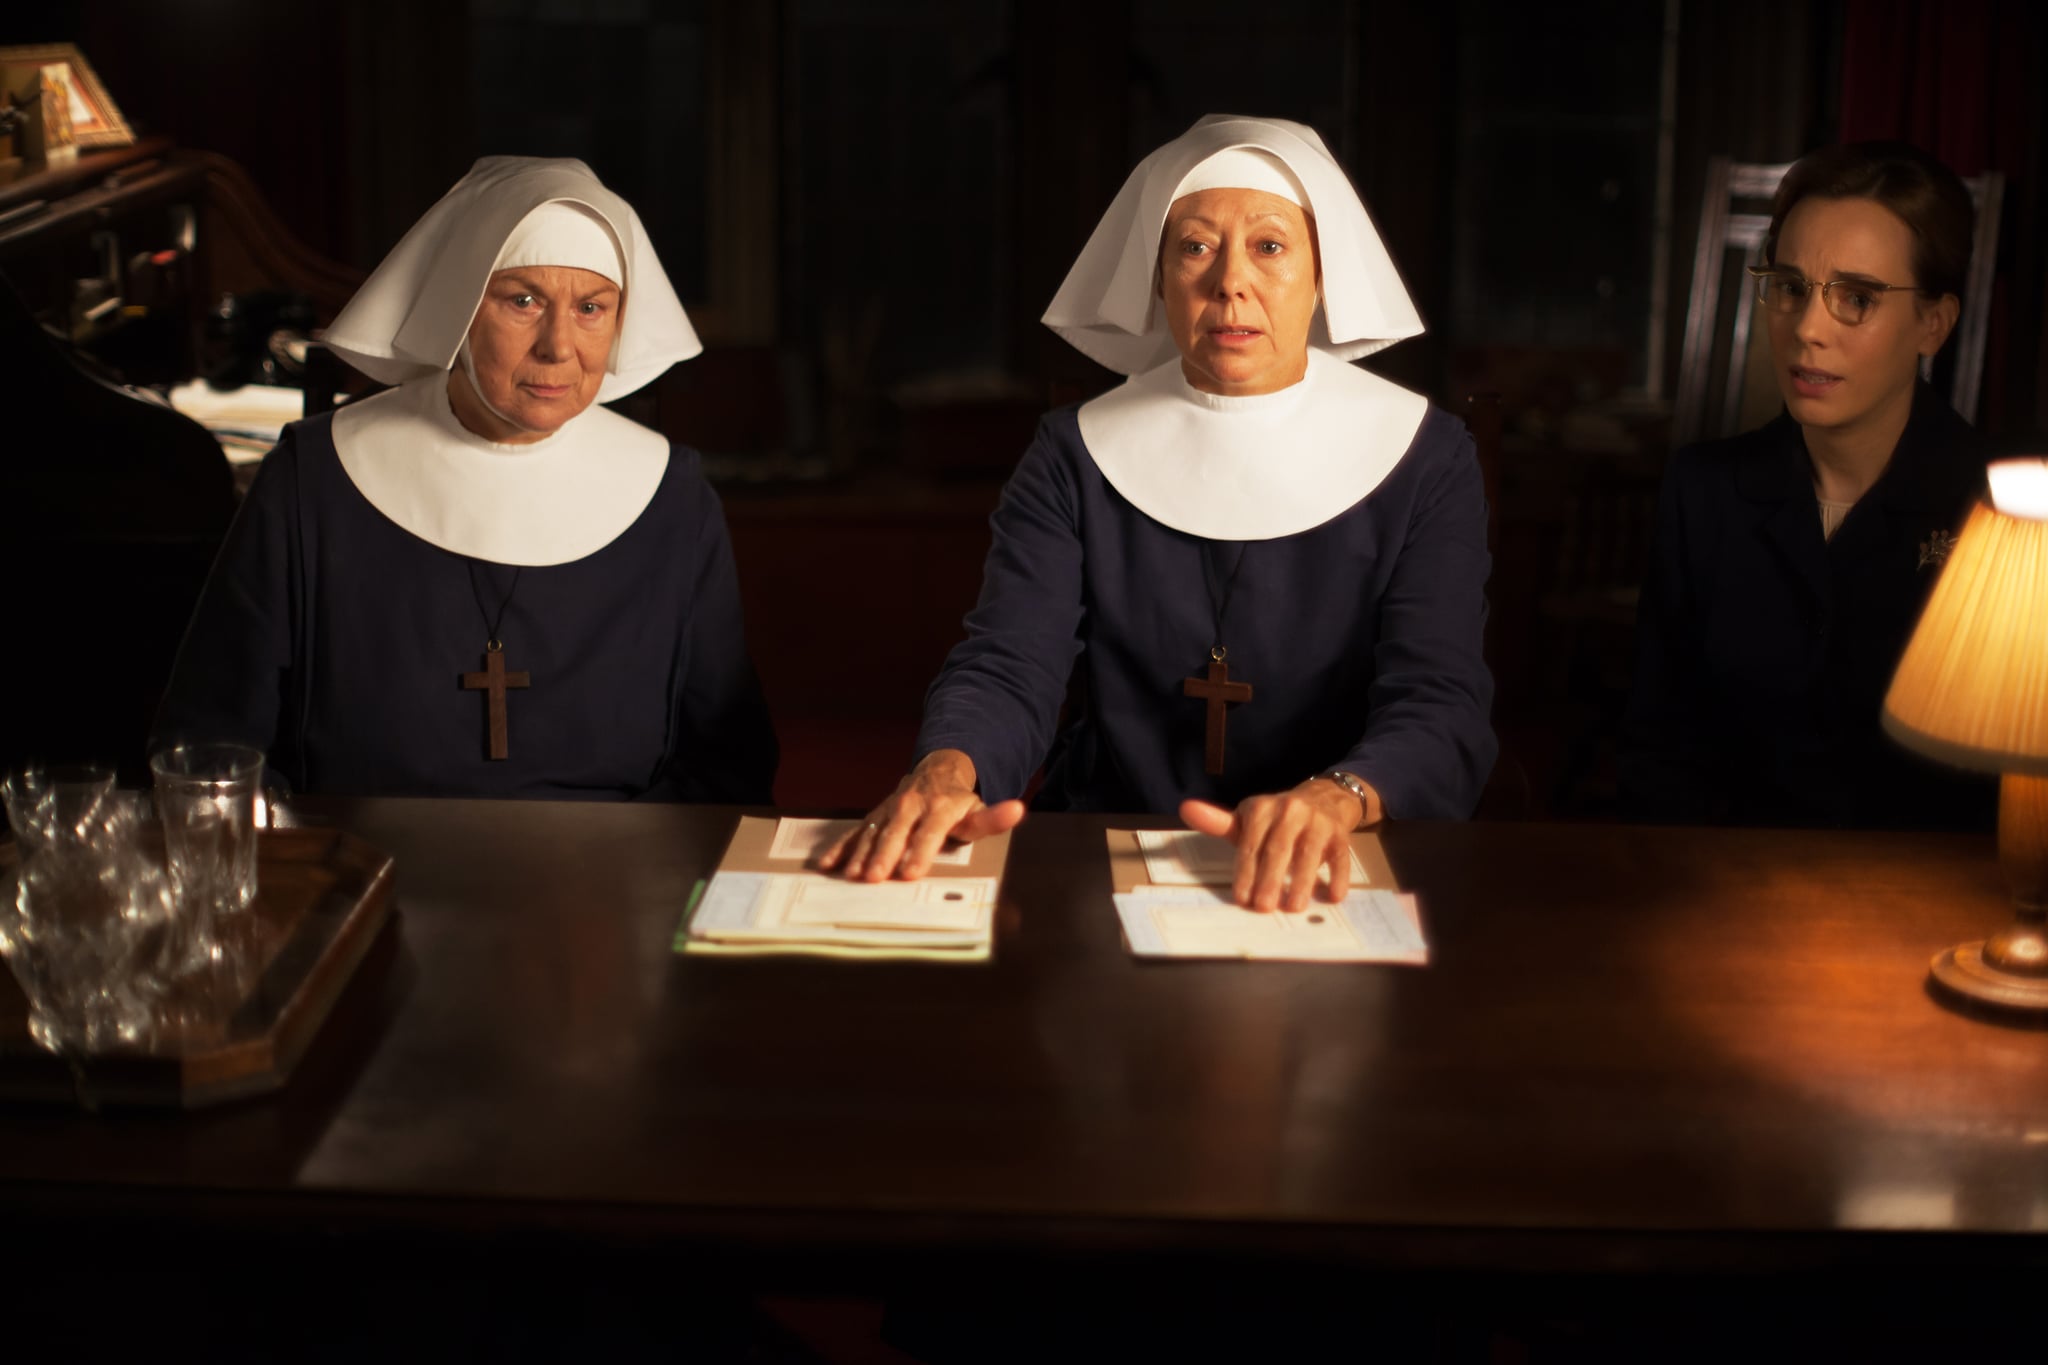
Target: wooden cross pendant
x,y
494,680
1217,690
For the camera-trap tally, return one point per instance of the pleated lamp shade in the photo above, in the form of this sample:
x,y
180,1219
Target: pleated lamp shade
x,y
1972,688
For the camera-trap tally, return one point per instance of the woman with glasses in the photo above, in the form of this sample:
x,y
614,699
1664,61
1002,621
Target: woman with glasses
x,y
1791,562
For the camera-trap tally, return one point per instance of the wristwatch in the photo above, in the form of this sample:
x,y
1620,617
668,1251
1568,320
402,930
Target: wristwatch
x,y
1357,788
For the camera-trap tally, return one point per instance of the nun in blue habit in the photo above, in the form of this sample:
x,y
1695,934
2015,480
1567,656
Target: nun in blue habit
x,y
1266,565
481,582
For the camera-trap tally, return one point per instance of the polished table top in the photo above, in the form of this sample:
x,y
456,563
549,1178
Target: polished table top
x,y
1681,1047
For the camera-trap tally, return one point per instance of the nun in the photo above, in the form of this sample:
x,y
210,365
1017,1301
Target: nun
x,y
480,582
1263,567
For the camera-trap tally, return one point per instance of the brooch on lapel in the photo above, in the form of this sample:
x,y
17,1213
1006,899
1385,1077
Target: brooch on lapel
x,y
1934,550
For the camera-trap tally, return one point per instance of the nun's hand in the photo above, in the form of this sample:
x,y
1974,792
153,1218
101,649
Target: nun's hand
x,y
935,803
1283,839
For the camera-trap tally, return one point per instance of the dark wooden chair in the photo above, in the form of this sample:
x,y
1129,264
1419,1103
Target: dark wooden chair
x,y
1509,794
1588,612
324,378
116,506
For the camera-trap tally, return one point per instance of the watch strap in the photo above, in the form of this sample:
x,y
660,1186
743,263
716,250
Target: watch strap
x,y
1353,785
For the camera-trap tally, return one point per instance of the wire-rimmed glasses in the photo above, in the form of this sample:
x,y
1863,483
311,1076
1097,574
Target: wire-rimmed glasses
x,y
1849,302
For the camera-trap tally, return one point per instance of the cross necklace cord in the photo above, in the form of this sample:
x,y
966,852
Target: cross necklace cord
x,y
1217,690
493,680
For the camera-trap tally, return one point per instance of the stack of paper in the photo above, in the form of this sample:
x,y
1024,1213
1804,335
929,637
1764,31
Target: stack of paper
x,y
1173,899
246,421
1195,921
766,897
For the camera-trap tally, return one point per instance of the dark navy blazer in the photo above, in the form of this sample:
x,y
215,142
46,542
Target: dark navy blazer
x,y
1764,651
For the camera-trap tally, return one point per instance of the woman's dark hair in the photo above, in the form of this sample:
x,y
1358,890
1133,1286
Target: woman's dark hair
x,y
1927,196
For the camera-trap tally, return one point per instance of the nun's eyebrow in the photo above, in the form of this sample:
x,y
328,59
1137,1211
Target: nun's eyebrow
x,y
527,284
1262,216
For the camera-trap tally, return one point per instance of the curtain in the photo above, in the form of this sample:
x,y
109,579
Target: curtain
x,y
1961,79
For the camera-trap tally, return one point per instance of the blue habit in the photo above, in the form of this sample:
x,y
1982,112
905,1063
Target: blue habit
x,y
335,640
1361,639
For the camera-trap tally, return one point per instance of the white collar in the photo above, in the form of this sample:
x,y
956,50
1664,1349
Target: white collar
x,y
550,502
1250,468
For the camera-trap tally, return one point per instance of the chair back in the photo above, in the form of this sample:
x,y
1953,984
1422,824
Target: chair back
x,y
1482,419
1725,380
1508,794
116,505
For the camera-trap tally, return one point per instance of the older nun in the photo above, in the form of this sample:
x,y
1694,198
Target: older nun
x,y
480,582
1267,565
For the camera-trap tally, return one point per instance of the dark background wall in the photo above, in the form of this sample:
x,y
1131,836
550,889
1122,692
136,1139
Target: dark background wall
x,y
886,193
867,205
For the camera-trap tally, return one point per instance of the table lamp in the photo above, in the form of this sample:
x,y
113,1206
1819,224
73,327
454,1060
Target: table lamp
x,y
1972,690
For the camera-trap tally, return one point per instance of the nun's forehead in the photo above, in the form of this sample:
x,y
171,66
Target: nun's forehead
x,y
1180,210
1259,202
550,277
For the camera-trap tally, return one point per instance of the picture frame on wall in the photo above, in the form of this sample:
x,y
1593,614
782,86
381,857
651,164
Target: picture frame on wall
x,y
95,120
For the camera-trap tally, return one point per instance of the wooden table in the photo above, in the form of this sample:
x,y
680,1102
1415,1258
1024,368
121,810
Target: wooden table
x,y
1637,1052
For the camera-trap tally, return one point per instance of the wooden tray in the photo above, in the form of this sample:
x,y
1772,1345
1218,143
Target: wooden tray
x,y
321,896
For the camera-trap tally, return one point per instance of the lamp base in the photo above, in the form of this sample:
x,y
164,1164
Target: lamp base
x,y
1962,969
2009,970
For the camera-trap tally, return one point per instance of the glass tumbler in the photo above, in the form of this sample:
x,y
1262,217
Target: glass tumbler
x,y
86,913
206,797
55,802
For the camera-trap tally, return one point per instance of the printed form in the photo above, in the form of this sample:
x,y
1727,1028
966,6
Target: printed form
x,y
766,897
1183,857
741,906
805,841
1368,925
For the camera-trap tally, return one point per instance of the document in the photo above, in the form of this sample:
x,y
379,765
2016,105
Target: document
x,y
758,906
246,421
1171,889
1368,925
1183,857
764,899
805,841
